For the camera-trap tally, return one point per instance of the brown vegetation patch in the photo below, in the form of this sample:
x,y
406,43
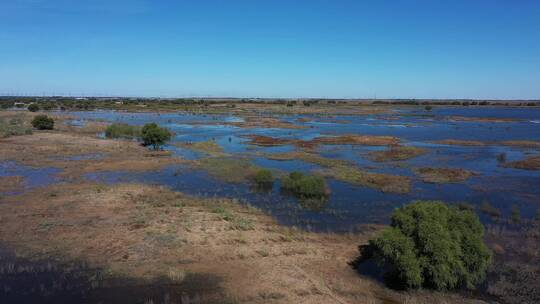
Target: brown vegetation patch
x,y
443,175
397,153
367,140
149,232
482,119
267,141
459,142
11,183
52,149
521,143
380,181
529,163
264,122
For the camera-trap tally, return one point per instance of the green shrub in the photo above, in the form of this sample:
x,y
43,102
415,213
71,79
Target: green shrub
x,y
14,127
264,177
432,245
33,107
43,122
428,108
155,136
122,130
304,185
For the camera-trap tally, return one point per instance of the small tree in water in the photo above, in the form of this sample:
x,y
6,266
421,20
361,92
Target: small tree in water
x,y
429,244
155,136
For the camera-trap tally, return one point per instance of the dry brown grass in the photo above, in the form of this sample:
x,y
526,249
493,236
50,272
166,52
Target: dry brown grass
x,y
529,163
53,149
397,153
459,142
11,183
149,232
350,139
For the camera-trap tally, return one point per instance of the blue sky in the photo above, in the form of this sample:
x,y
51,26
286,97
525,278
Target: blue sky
x,y
342,49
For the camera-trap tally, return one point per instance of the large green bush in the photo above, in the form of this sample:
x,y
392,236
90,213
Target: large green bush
x,y
43,122
122,130
432,245
305,185
154,136
33,107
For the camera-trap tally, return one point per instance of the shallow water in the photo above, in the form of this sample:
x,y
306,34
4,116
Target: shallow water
x,y
350,205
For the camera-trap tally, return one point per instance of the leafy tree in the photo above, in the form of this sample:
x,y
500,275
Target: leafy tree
x,y
43,122
155,136
33,107
429,244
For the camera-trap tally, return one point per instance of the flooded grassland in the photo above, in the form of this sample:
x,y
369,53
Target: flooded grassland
x,y
190,224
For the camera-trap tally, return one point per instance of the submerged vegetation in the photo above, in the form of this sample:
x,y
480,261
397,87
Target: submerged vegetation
x,y
443,175
43,122
397,153
429,244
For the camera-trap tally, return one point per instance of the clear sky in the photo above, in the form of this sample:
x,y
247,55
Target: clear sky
x,y
332,48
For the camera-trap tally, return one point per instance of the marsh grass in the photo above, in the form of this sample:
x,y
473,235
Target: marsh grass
x,y
209,147
397,153
14,126
227,169
307,157
380,181
443,175
529,163
122,130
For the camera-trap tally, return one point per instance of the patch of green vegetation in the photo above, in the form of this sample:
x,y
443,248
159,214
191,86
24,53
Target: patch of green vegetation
x,y
380,181
33,107
490,210
43,122
14,127
154,135
264,177
429,244
397,153
228,169
122,130
443,175
305,186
